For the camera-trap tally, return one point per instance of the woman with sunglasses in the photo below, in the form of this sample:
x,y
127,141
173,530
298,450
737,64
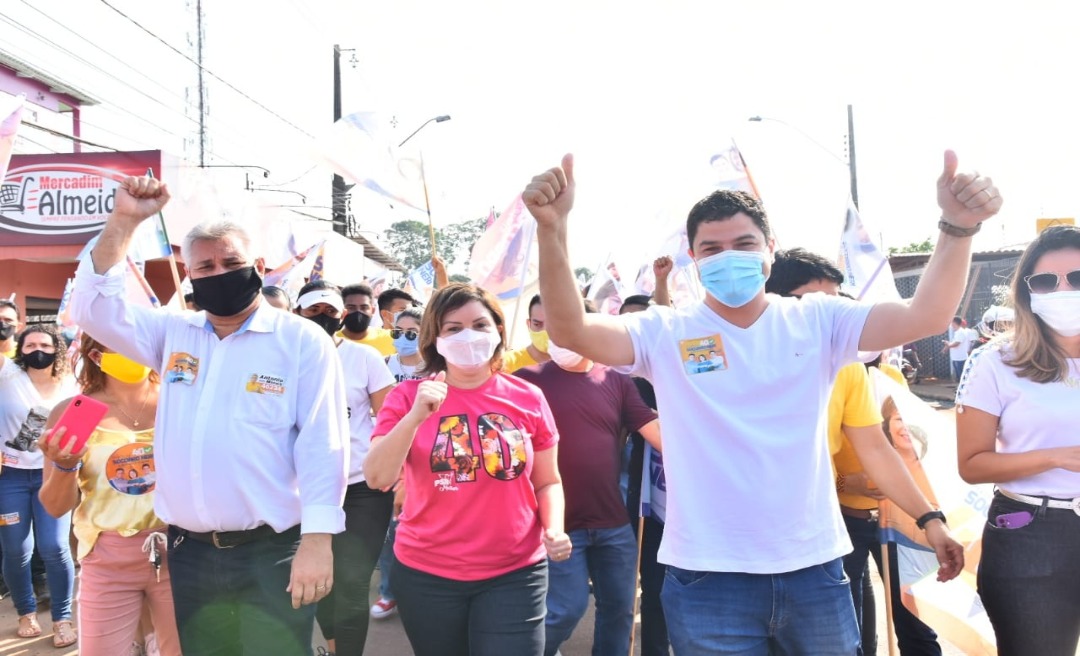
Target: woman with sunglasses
x,y
403,365
30,386
1017,428
485,500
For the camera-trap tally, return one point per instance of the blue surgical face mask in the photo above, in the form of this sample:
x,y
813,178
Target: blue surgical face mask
x,y
406,346
733,277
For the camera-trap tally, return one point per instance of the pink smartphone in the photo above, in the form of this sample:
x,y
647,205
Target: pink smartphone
x,y
81,418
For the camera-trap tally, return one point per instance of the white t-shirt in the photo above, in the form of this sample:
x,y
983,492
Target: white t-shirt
x,y
749,479
23,413
402,372
365,373
966,337
1030,415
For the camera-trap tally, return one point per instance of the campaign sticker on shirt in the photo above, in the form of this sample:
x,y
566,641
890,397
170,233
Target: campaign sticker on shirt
x,y
703,354
9,519
183,368
131,469
9,459
265,384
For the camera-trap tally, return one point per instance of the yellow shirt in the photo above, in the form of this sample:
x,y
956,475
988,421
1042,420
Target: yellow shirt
x,y
377,337
516,359
894,373
851,404
117,482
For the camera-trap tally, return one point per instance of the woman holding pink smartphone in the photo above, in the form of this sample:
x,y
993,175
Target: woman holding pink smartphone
x,y
111,463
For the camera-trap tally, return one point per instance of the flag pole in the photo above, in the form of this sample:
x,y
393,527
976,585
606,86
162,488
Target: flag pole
x,y
646,490
172,255
886,579
521,287
427,205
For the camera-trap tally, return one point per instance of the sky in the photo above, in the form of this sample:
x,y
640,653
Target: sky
x,y
643,93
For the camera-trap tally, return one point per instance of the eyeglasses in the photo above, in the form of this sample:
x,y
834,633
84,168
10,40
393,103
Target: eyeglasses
x,y
410,334
1044,283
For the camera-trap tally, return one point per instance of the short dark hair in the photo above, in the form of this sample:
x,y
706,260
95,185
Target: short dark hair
x,y
270,291
958,319
636,299
723,204
358,289
387,298
796,267
533,302
9,304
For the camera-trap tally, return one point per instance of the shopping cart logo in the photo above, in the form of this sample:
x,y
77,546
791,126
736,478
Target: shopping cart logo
x,y
13,195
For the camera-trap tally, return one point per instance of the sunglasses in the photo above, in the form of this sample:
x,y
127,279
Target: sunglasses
x,y
1044,283
410,334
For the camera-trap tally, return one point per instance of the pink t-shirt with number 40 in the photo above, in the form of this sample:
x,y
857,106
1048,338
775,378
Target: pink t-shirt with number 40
x,y
470,509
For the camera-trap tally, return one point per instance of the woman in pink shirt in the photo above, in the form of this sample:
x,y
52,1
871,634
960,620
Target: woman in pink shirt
x,y
484,501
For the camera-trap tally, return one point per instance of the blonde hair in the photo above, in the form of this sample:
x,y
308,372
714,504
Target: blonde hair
x,y
1036,353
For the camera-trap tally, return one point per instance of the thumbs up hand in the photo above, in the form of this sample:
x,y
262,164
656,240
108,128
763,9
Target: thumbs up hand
x,y
550,195
965,199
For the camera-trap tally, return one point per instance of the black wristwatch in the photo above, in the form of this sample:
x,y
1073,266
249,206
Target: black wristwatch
x,y
933,514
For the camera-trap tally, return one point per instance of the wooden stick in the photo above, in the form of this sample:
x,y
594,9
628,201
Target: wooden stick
x,y
637,573
427,204
890,629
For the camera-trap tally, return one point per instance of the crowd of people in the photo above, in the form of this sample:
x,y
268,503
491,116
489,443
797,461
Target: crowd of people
x,y
283,448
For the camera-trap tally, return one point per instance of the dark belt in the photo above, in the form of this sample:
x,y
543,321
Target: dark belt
x,y
230,539
857,513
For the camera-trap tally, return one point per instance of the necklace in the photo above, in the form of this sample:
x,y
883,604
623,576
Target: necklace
x,y
134,420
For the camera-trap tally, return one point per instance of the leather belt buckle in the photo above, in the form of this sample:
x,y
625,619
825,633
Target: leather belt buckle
x,y
218,544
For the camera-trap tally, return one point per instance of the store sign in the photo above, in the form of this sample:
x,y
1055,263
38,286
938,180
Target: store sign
x,y
64,198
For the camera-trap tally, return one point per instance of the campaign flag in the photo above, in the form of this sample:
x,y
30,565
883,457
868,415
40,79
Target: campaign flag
x,y
9,127
867,274
63,316
140,280
277,275
506,258
607,289
317,267
359,148
729,171
421,282
927,445
490,219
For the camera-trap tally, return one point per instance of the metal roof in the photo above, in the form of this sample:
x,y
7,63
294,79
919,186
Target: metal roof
x,y
23,69
377,255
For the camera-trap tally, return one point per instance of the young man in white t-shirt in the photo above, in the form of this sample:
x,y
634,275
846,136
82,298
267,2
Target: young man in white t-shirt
x,y
754,538
959,345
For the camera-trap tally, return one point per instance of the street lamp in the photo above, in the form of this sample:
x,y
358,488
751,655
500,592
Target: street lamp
x,y
849,163
423,178
437,119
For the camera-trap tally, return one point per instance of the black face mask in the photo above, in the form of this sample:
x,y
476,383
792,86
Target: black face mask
x,y
6,331
39,359
357,322
227,294
328,323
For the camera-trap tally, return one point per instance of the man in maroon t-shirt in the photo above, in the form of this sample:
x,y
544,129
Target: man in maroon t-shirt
x,y
594,409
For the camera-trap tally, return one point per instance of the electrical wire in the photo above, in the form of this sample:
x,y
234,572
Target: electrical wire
x,y
207,71
57,133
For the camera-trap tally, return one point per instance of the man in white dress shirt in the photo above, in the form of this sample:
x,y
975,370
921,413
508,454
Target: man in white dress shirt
x,y
251,443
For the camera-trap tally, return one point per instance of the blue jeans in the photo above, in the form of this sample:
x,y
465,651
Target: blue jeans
x,y
608,556
807,612
491,617
386,562
20,507
232,602
958,368
1029,580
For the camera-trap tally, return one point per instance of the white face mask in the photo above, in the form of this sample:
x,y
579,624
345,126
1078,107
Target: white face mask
x,y
468,349
565,358
1060,311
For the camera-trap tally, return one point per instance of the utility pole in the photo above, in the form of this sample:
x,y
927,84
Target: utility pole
x,y
202,87
851,157
338,191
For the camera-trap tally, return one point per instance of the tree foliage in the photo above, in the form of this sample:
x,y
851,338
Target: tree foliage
x,y
925,246
410,241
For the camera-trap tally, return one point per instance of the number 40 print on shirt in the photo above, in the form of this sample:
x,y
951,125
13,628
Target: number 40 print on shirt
x,y
502,447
